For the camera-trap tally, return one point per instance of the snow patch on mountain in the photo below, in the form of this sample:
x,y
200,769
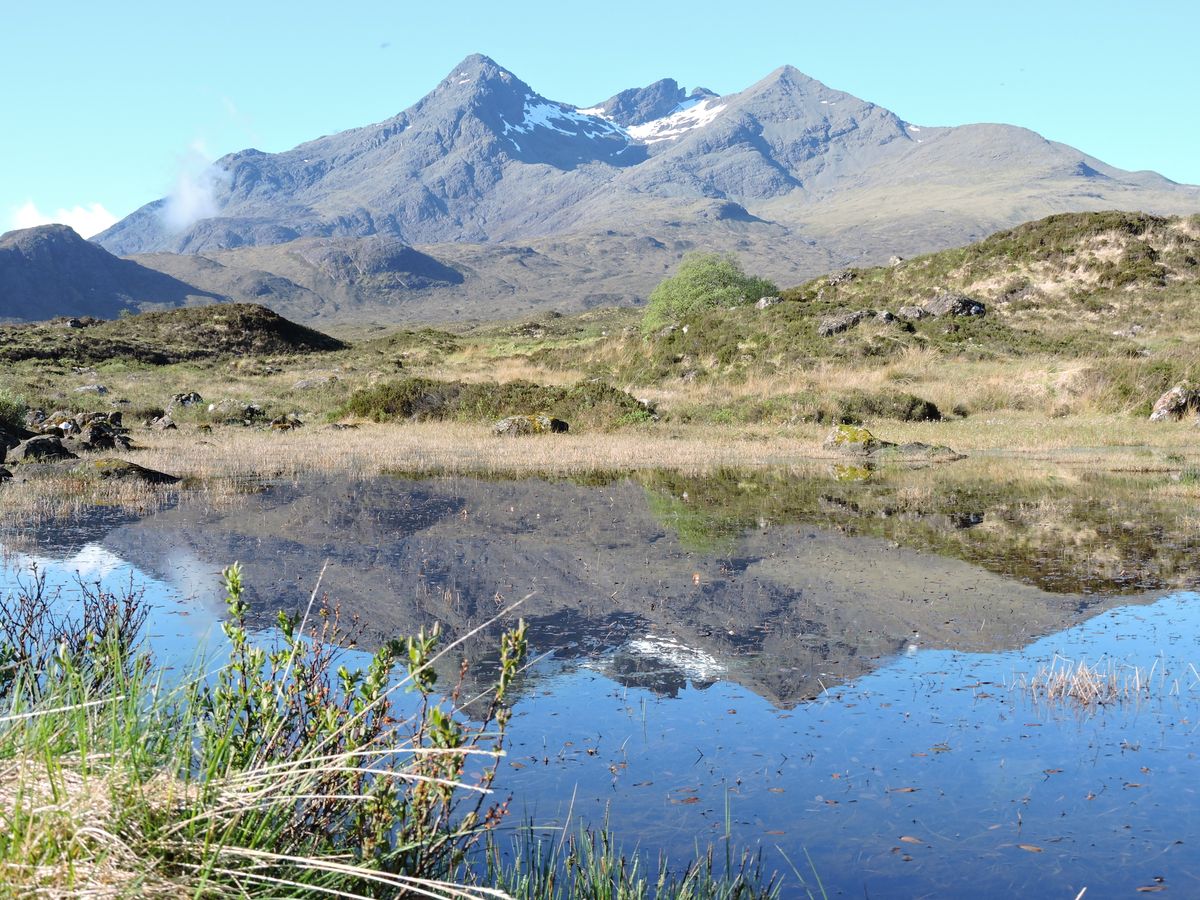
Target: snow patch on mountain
x,y
693,114
539,113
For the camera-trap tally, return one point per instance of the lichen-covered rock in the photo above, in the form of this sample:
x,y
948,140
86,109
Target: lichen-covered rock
x,y
1176,403
163,423
844,322
766,302
911,313
954,305
853,472
858,440
853,439
118,469
42,448
536,424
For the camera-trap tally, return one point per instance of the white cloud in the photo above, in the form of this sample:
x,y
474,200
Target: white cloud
x,y
87,220
194,196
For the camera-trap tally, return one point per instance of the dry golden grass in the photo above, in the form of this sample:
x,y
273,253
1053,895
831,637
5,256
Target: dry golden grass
x,y
1087,686
1005,442
59,821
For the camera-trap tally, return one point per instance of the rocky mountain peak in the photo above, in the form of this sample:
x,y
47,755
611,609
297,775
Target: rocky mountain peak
x,y
637,106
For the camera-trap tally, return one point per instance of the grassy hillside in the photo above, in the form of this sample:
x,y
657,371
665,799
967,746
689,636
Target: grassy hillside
x,y
1089,314
161,338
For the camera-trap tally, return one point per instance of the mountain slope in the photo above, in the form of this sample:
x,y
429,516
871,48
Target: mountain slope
x,y
485,158
51,271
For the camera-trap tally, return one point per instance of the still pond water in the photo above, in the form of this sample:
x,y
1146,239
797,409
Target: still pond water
x,y
712,668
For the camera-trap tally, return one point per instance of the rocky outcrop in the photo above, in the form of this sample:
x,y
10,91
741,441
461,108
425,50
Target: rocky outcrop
x,y
516,426
953,305
42,448
854,439
236,412
110,468
1176,403
837,324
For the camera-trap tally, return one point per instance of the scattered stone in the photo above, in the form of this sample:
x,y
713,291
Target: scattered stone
x,y
98,389
858,440
41,448
844,322
10,437
118,469
536,424
34,418
236,412
954,305
843,277
894,261
916,451
102,435
285,423
1131,331
852,438
163,423
911,313
1176,403
665,331
885,317
307,384
343,426
765,302
188,398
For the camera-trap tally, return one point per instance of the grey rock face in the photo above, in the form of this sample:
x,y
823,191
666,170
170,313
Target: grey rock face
x,y
637,106
1176,403
837,324
954,305
42,448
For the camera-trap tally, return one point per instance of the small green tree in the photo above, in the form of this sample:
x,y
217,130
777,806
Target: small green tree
x,y
703,281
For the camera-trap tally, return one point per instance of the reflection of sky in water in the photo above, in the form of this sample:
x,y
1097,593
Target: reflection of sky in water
x,y
929,776
934,747
183,622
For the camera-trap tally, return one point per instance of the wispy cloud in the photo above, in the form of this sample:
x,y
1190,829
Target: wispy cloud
x,y
194,196
87,220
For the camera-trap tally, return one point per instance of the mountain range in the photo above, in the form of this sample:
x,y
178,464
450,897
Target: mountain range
x,y
486,198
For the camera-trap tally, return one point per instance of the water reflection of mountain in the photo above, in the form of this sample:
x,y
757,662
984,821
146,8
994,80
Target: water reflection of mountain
x,y
784,609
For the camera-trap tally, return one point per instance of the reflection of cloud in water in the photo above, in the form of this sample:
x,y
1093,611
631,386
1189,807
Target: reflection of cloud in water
x,y
91,561
194,580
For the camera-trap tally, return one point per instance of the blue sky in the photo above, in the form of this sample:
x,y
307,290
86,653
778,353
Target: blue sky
x,y
107,105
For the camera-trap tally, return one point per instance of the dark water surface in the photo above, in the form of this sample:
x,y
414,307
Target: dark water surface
x,y
751,670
